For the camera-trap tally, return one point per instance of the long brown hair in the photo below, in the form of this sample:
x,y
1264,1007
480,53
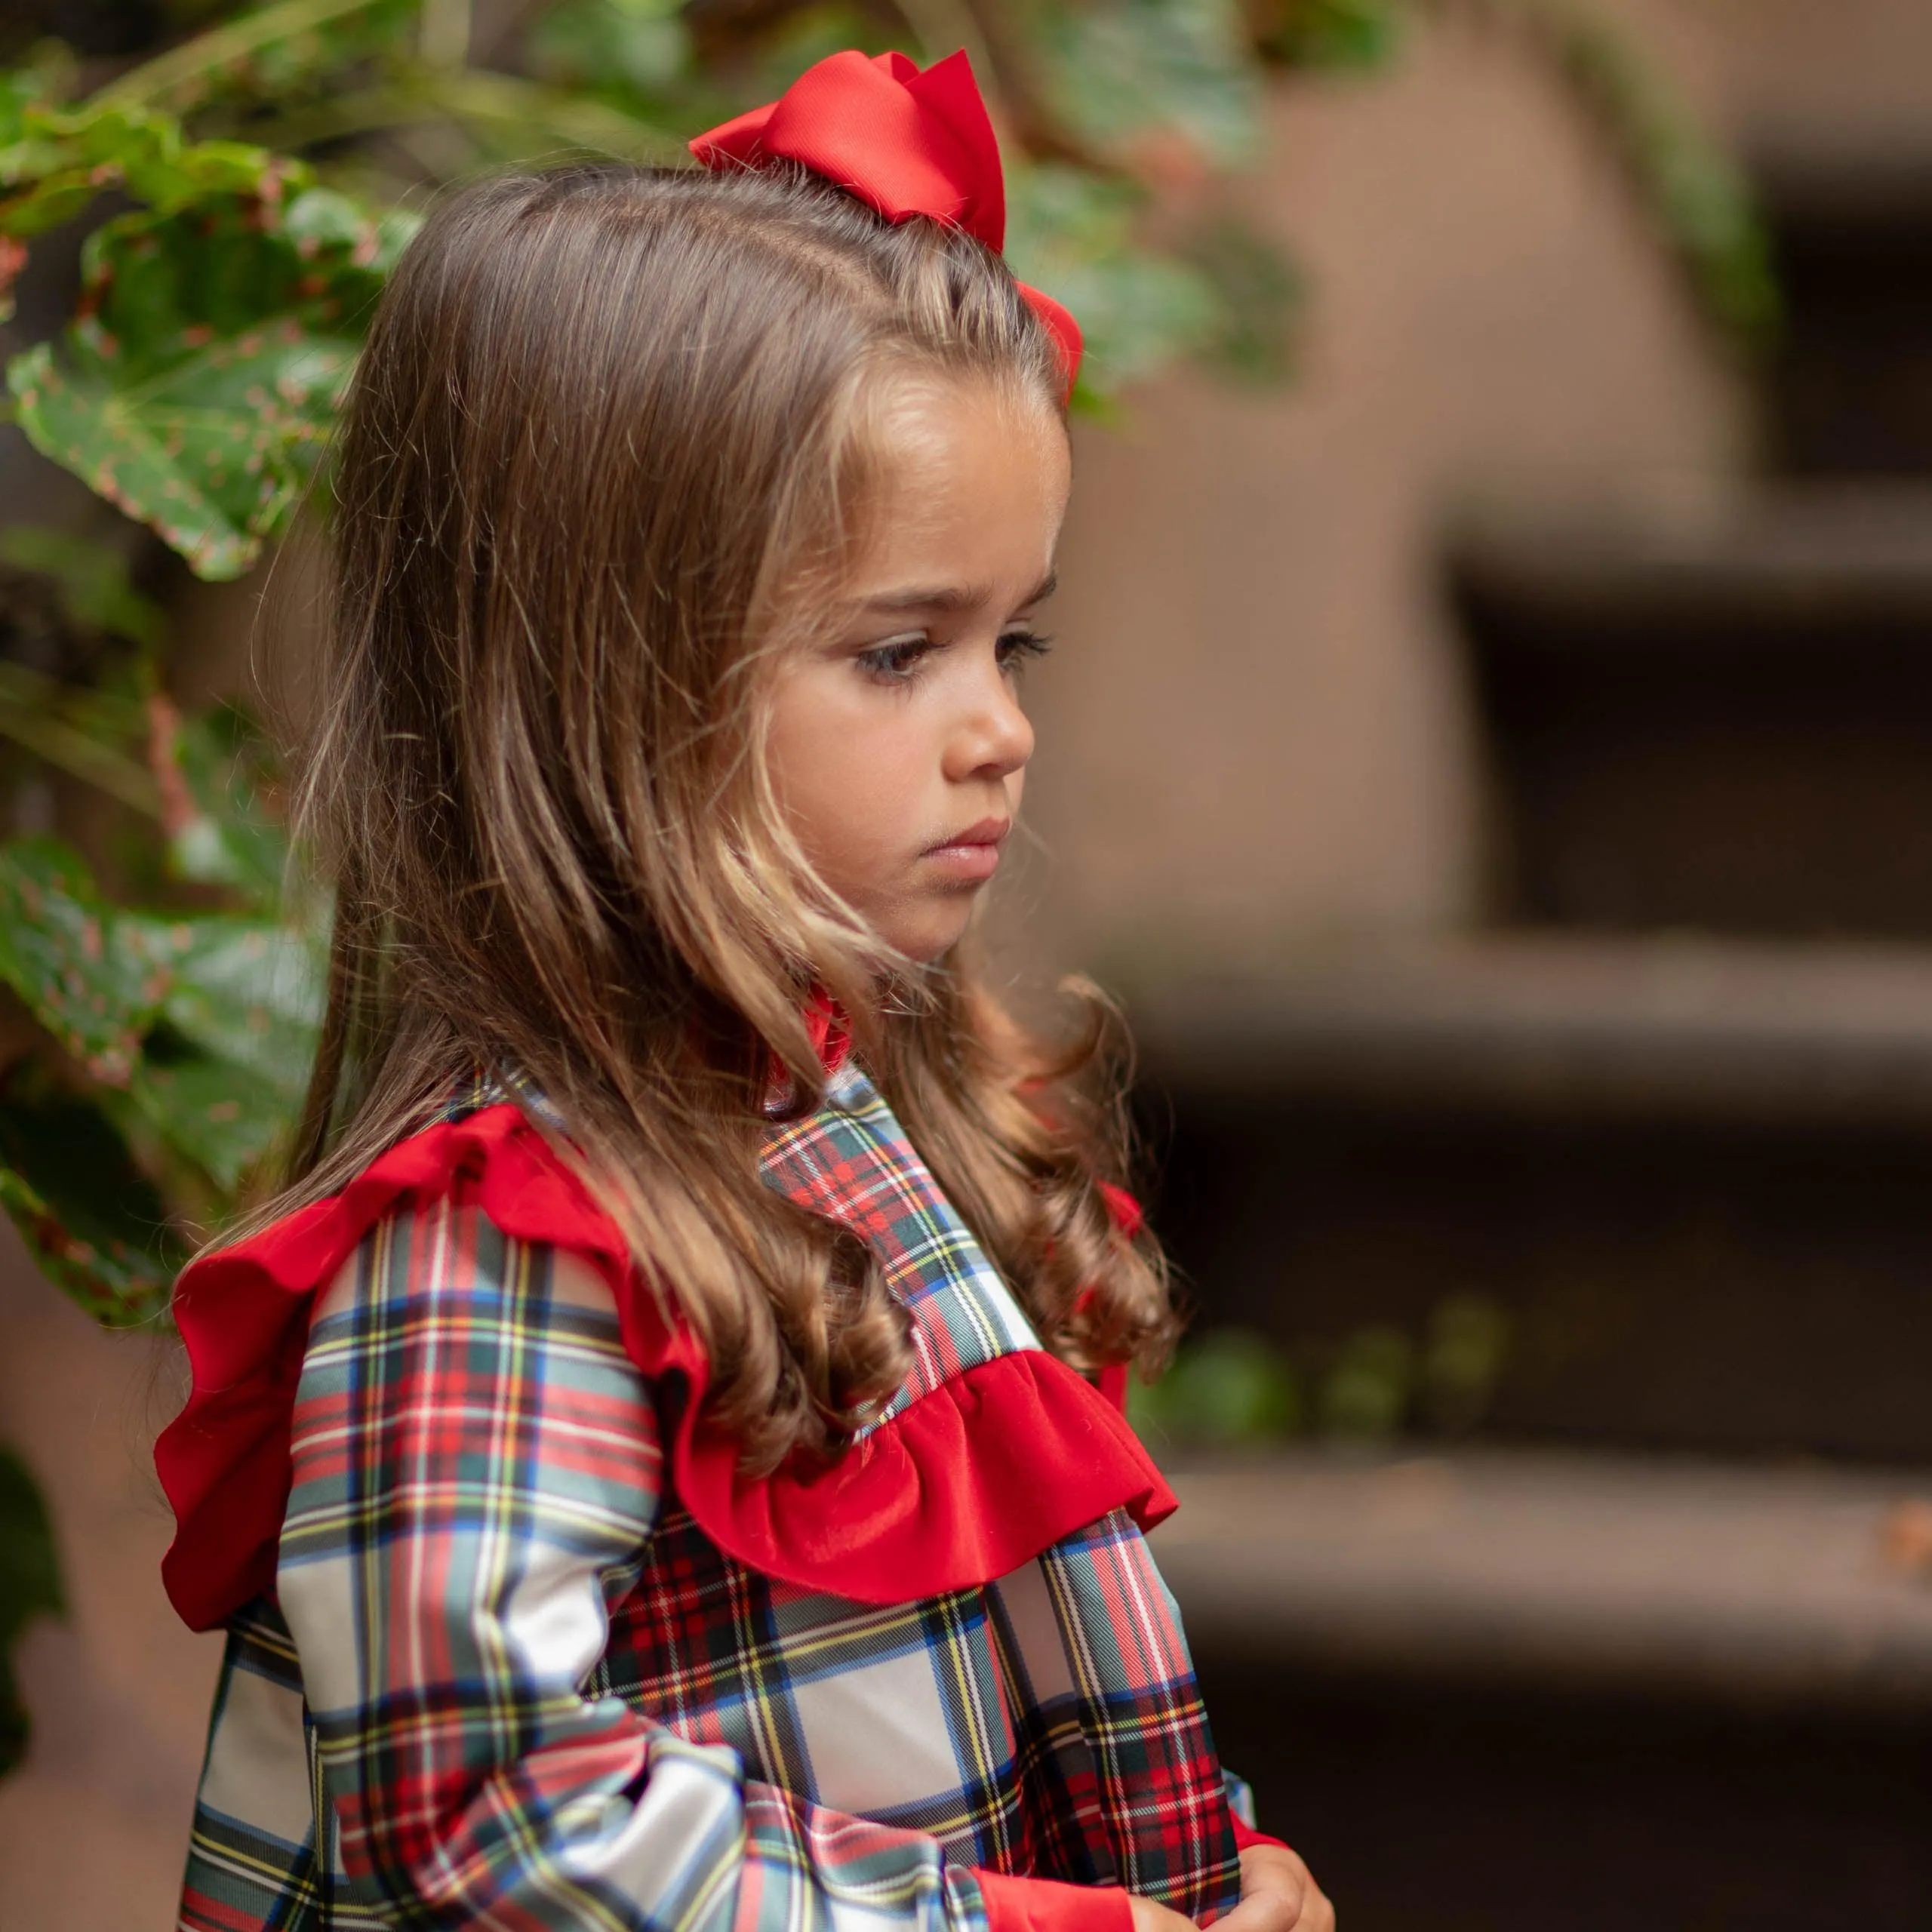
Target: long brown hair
x,y
604,450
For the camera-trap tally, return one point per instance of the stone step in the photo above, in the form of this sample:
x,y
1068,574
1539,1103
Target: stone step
x,y
1696,1177
1720,720
1551,1694
1661,1026
1805,1586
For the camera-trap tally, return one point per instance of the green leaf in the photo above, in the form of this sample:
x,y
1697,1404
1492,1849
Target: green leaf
x,y
224,1075
231,839
1124,73
208,1024
1366,1389
91,579
1463,1365
1693,189
1139,312
94,1223
221,1115
249,992
270,51
54,162
638,48
1701,197
1346,34
93,980
1231,1386
1072,234
29,1587
1259,294
78,729
200,381
806,35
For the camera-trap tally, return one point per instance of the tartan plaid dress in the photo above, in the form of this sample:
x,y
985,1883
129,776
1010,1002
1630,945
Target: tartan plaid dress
x,y
505,1679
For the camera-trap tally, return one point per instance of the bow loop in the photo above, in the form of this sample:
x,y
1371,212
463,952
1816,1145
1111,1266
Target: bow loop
x,y
903,140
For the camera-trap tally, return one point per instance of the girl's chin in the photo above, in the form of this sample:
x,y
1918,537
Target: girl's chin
x,y
934,931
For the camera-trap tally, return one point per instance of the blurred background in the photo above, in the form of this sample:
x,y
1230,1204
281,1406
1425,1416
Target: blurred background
x,y
1488,750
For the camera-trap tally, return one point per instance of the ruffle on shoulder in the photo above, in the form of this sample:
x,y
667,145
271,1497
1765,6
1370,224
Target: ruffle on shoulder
x,y
963,1485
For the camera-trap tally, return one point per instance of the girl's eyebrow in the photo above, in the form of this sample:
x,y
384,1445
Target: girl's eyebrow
x,y
956,597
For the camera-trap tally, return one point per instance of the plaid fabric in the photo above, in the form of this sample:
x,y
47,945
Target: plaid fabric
x,y
539,1696
851,1162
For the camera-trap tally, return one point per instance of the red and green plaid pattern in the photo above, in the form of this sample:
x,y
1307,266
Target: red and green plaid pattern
x,y
851,1162
538,1696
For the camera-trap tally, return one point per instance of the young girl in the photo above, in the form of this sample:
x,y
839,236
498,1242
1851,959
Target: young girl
x,y
649,1462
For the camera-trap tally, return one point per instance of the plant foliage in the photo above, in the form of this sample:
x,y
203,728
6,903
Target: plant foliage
x,y
1230,1388
30,1587
195,386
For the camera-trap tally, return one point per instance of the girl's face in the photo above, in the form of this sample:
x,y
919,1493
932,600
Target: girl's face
x,y
898,746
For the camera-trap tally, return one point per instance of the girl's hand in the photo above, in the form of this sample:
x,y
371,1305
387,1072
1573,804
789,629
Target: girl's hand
x,y
1149,1917
1277,1894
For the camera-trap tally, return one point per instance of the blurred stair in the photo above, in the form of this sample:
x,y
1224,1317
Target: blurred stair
x,y
1697,1175
1671,1106
1670,1026
1853,392
1484,1693
1754,1585
1672,1109
1722,722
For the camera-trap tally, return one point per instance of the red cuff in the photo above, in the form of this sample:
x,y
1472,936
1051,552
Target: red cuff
x,y
1245,1835
1045,1905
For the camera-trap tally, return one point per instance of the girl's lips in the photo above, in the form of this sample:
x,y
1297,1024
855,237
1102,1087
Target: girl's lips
x,y
971,856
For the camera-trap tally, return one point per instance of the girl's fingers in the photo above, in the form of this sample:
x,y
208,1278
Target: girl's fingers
x,y
1276,1908
1149,1915
1317,1914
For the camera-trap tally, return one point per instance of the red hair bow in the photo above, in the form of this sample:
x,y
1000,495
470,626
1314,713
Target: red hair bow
x,y
903,142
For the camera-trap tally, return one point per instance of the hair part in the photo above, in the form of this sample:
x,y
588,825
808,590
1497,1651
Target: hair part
x,y
611,440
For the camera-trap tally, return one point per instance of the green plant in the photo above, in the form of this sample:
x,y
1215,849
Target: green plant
x,y
1231,1387
29,1587
167,1046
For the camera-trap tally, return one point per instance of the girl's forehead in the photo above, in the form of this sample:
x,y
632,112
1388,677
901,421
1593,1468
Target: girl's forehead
x,y
969,486
915,420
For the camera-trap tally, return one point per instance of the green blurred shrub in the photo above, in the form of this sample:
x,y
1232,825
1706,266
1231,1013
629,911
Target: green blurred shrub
x,y
29,1587
1233,1388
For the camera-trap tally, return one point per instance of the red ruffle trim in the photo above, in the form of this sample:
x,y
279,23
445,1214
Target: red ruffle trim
x,y
966,1484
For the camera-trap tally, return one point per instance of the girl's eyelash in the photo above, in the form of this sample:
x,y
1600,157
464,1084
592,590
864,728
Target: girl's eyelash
x,y
1017,645
896,657
897,660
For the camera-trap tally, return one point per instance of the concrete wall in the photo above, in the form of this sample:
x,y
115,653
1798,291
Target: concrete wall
x,y
1255,731
1255,736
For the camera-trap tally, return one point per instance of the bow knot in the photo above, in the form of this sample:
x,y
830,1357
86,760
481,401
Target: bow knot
x,y
905,142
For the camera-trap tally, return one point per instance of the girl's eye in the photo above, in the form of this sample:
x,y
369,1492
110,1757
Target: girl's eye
x,y
1017,646
896,659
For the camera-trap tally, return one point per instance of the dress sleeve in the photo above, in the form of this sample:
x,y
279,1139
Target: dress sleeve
x,y
476,1470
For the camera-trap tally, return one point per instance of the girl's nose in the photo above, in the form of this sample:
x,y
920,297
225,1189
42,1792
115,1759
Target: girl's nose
x,y
993,739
